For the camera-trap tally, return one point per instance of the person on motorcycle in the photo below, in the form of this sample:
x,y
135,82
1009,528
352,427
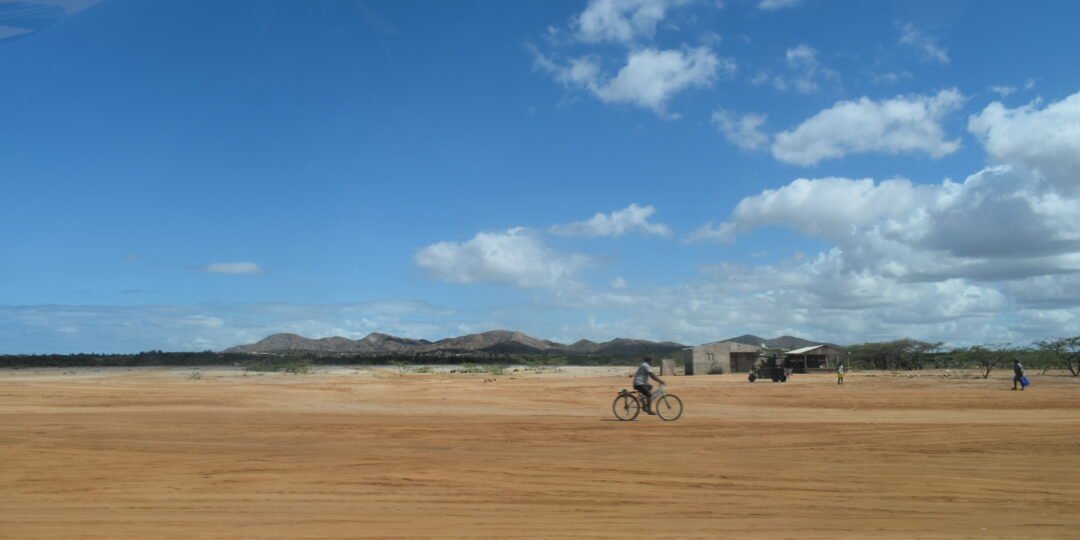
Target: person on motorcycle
x,y
641,382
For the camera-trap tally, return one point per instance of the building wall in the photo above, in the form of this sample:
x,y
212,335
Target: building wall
x,y
700,360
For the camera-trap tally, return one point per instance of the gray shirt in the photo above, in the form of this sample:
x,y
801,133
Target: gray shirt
x,y
641,377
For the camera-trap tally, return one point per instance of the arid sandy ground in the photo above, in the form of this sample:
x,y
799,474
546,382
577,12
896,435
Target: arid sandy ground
x,y
154,454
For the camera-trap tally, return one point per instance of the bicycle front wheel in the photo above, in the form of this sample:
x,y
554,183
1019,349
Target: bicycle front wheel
x,y
626,407
668,407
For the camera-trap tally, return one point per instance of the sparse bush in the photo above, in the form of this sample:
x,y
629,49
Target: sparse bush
x,y
289,365
423,369
401,366
298,367
494,369
715,369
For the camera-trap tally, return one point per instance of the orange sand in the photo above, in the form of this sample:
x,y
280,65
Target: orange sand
x,y
153,454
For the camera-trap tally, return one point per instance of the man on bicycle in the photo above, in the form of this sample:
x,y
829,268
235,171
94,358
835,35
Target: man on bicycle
x,y
641,382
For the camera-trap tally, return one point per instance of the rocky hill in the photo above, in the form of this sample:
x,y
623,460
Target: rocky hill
x,y
493,342
783,342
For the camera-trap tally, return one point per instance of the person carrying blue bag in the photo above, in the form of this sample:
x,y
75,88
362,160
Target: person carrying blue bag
x,y
1018,375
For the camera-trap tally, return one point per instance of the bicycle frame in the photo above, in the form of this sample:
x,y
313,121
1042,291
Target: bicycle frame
x,y
658,393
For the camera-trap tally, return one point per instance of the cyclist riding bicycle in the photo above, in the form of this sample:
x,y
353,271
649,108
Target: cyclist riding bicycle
x,y
641,382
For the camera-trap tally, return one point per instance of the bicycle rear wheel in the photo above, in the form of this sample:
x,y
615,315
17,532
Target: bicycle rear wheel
x,y
626,407
668,407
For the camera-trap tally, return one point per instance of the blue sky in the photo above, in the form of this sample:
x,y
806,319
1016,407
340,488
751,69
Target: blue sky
x,y
195,175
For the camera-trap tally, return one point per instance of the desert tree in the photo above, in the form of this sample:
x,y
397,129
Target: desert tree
x,y
915,353
901,354
986,357
1063,351
401,366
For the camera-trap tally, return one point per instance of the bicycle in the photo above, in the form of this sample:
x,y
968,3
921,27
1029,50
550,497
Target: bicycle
x,y
628,405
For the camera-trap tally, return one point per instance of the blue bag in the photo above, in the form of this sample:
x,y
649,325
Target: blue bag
x,y
1024,381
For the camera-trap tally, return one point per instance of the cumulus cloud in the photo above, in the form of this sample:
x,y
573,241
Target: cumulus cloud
x,y
927,45
995,257
905,124
516,257
997,224
743,131
621,21
649,79
1045,139
233,268
629,219
850,203
822,297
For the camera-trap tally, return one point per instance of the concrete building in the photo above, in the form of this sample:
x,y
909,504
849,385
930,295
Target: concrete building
x,y
723,357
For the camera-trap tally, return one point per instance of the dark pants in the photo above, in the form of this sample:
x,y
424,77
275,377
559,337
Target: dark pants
x,y
646,390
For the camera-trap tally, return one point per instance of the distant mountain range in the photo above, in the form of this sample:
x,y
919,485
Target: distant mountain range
x,y
787,343
494,342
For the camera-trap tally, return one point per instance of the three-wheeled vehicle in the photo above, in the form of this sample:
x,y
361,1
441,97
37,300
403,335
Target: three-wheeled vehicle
x,y
771,367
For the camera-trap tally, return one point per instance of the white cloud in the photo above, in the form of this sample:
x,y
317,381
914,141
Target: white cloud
x,y
516,257
905,124
233,268
1003,91
649,79
724,232
998,224
618,283
993,258
801,55
773,5
621,21
806,73
652,77
1045,139
743,131
629,219
820,297
928,45
850,203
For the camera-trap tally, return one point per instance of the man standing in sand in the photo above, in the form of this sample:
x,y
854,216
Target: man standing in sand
x,y
840,373
641,382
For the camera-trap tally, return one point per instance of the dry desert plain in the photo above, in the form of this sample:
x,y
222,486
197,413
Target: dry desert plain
x,y
344,453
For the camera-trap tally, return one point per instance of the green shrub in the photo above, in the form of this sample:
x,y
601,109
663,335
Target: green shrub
x,y
295,366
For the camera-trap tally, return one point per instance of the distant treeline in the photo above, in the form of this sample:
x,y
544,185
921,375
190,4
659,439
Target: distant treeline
x,y
910,354
211,358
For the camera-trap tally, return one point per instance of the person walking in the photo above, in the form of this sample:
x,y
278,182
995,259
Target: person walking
x,y
840,373
1018,374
